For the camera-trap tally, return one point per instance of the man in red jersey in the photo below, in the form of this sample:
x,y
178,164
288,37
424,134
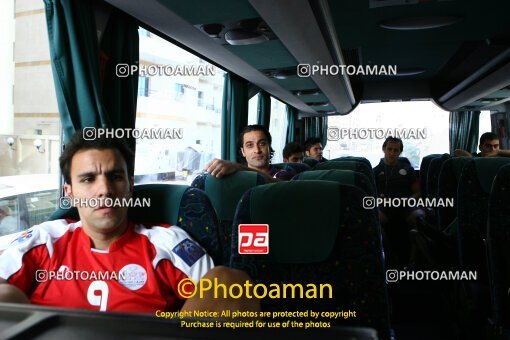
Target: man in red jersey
x,y
104,262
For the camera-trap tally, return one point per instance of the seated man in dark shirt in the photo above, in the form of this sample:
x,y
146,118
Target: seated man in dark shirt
x,y
489,147
293,153
396,179
313,149
255,151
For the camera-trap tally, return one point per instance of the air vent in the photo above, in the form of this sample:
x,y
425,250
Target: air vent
x,y
419,23
245,32
318,104
280,73
310,92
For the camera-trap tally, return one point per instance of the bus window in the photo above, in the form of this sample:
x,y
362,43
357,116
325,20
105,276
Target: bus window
x,y
40,205
30,142
9,215
278,129
252,110
189,104
485,123
422,125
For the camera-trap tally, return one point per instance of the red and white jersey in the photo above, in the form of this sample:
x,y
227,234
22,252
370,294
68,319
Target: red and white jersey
x,y
55,265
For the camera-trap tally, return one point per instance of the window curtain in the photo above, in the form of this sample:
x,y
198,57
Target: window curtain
x,y
463,131
78,66
264,109
317,127
291,123
119,45
234,114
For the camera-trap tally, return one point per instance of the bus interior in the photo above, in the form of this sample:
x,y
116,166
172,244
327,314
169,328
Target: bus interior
x,y
302,68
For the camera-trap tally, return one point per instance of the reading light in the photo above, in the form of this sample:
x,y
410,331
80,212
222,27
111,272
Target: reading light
x,y
318,104
419,23
213,30
240,36
39,145
311,92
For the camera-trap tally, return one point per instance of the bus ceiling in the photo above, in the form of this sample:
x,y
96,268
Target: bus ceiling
x,y
324,57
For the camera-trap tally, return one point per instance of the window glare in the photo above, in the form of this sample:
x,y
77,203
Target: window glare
x,y
411,116
252,109
278,129
485,123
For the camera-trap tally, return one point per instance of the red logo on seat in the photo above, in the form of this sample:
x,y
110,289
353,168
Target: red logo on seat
x,y
253,239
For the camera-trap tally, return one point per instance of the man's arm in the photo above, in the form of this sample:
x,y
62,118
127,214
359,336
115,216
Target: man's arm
x,y
10,293
504,153
219,168
461,153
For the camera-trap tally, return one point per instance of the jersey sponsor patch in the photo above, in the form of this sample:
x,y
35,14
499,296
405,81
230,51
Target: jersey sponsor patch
x,y
188,251
132,276
24,236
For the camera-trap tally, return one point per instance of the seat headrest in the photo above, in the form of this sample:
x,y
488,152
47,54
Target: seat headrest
x,y
487,168
298,232
225,192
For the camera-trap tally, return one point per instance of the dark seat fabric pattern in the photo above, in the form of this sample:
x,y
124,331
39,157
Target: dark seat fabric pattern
x,y
348,177
358,166
498,244
341,247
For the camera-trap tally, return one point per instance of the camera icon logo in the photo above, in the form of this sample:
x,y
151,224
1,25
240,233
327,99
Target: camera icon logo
x,y
333,134
41,275
89,133
65,203
391,275
122,70
304,70
369,202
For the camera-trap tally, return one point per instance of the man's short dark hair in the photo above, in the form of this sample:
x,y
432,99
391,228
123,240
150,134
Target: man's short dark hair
x,y
292,148
394,140
77,143
311,142
250,128
488,136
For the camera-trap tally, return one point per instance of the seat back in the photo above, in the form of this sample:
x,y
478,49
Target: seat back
x,y
348,177
498,247
358,166
433,174
353,158
424,168
447,189
310,161
179,205
224,194
341,247
296,167
473,196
